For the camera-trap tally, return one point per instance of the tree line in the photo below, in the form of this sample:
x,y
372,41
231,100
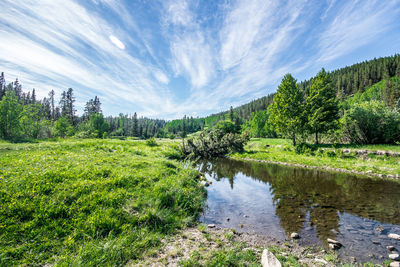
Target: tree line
x,y
23,116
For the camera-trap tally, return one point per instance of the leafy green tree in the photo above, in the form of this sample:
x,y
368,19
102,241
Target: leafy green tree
x,y
287,108
98,125
321,106
225,127
10,111
63,127
31,120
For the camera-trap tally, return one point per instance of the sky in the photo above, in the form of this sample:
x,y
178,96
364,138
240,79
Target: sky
x,y
164,59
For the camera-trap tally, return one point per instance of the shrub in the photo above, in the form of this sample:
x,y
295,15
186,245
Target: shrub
x,y
370,123
304,148
151,142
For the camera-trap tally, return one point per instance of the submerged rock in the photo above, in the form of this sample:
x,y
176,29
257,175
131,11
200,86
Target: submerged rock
x,y
391,248
211,225
269,260
295,235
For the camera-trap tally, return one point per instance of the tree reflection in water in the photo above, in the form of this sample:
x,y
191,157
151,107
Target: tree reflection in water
x,y
301,195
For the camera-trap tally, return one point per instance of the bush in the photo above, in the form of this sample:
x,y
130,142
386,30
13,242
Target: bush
x,y
370,123
304,148
151,142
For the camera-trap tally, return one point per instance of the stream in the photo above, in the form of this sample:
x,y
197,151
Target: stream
x,y
276,200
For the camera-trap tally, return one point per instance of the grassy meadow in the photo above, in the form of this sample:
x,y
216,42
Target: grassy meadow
x,y
325,155
92,202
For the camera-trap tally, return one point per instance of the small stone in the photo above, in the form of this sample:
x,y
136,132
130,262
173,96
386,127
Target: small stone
x,y
391,248
295,235
376,242
394,257
228,219
211,225
331,241
394,236
395,264
204,183
269,260
245,216
379,229
333,246
324,262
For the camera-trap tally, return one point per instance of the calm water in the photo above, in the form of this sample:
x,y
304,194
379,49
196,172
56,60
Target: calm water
x,y
277,200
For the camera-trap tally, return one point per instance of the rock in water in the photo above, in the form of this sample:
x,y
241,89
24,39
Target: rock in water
x,y
295,236
394,236
333,246
391,248
394,257
269,260
211,225
331,241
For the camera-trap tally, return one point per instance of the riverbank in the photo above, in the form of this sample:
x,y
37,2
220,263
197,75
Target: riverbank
x,y
373,161
203,246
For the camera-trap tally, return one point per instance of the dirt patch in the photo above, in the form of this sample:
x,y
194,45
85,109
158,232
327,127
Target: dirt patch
x,y
198,246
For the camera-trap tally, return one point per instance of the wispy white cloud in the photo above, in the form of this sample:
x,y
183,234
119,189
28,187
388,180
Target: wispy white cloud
x,y
170,58
117,42
355,24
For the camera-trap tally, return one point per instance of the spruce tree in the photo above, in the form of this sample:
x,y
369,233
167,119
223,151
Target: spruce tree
x,y
286,109
321,106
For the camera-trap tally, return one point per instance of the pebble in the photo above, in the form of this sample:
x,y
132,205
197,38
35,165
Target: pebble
x,y
333,246
391,248
394,236
395,257
295,235
376,242
245,216
331,241
211,225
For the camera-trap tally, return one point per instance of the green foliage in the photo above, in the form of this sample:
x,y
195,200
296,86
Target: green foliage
x,y
10,112
31,121
98,125
90,202
286,110
370,123
304,148
259,126
63,128
151,142
321,107
225,127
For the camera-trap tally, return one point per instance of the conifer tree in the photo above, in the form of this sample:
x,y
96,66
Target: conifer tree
x,y
321,107
286,109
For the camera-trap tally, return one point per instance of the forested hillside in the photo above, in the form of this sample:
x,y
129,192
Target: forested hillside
x,y
23,116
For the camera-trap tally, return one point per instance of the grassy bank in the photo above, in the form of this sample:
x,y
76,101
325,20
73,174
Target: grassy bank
x,y
91,202
332,156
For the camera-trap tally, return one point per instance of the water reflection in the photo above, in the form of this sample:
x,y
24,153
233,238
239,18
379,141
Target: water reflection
x,y
310,198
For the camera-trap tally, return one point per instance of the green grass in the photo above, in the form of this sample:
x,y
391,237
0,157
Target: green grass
x,y
281,150
91,202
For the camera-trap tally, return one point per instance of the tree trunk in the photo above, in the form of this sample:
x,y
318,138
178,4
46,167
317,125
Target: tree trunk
x,y
294,139
316,138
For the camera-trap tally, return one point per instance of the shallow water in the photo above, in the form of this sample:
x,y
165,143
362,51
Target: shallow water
x,y
277,200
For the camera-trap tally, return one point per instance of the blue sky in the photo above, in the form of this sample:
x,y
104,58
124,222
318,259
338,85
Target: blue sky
x,y
166,58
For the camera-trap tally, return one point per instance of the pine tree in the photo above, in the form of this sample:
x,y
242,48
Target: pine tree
x,y
135,125
322,109
2,85
52,107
